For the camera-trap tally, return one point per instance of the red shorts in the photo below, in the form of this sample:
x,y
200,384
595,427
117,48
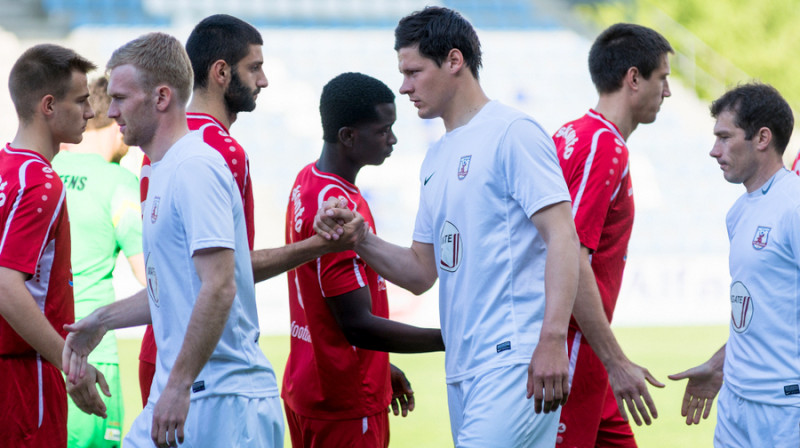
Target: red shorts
x,y
33,403
367,432
591,417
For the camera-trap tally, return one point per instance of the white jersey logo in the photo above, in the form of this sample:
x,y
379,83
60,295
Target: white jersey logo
x,y
451,247
742,307
152,281
570,138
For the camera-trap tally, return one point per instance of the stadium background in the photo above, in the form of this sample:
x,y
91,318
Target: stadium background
x,y
534,59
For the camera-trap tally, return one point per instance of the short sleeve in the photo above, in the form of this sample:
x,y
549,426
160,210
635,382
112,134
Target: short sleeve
x,y
423,231
593,182
126,214
531,167
204,195
30,222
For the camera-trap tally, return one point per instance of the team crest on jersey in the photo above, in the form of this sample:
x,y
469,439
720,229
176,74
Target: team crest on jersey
x,y
152,282
452,250
742,307
761,237
463,167
154,210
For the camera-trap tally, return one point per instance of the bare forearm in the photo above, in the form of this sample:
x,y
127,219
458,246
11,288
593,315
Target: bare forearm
x,y
268,263
591,316
130,312
28,321
561,283
717,361
205,327
410,268
376,333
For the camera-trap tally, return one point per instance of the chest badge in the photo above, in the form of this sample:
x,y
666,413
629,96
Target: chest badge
x,y
761,238
154,210
463,167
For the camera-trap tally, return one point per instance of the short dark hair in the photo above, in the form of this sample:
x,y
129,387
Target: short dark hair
x,y
350,99
755,106
620,47
219,37
44,69
436,31
99,100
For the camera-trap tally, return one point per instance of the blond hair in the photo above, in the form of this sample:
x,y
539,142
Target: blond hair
x,y
160,59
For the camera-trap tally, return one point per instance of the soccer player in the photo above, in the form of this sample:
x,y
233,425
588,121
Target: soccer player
x,y
104,218
49,91
337,385
629,66
759,401
209,368
494,225
228,75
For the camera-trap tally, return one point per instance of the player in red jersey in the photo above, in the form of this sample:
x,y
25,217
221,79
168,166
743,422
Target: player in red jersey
x,y
629,67
50,94
228,75
336,386
796,165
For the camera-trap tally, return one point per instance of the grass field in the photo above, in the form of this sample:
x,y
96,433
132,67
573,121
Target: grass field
x,y
664,350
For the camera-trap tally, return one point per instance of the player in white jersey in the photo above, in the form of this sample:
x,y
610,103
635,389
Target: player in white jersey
x,y
199,277
494,225
759,403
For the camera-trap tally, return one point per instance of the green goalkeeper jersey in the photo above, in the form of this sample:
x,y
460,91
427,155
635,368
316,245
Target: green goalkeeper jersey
x,y
105,217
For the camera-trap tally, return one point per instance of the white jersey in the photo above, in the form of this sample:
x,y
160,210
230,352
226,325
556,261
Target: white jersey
x,y
762,358
480,184
193,203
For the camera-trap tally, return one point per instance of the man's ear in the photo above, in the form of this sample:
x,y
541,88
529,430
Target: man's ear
x,y
220,72
763,138
47,105
164,96
454,61
633,78
347,136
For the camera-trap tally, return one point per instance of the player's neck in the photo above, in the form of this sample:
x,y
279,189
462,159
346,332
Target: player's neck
x,y
763,174
204,102
617,112
330,161
464,105
171,129
37,139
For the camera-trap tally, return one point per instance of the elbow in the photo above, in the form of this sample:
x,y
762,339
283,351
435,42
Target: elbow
x,y
423,284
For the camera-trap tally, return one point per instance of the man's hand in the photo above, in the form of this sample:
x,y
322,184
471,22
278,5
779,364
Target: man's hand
x,y
402,394
83,337
84,392
548,376
704,383
335,222
628,383
169,416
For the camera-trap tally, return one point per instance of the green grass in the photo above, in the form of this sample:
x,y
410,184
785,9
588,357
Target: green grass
x,y
663,350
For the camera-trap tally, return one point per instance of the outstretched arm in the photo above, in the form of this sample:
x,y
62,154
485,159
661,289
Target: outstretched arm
x,y
548,372
412,268
19,309
626,378
268,263
215,268
353,313
85,334
704,383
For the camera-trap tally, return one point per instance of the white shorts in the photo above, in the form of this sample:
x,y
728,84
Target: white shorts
x,y
217,421
491,410
744,423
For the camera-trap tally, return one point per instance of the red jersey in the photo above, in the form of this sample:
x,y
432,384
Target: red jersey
x,y
216,135
796,165
35,239
594,160
325,376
